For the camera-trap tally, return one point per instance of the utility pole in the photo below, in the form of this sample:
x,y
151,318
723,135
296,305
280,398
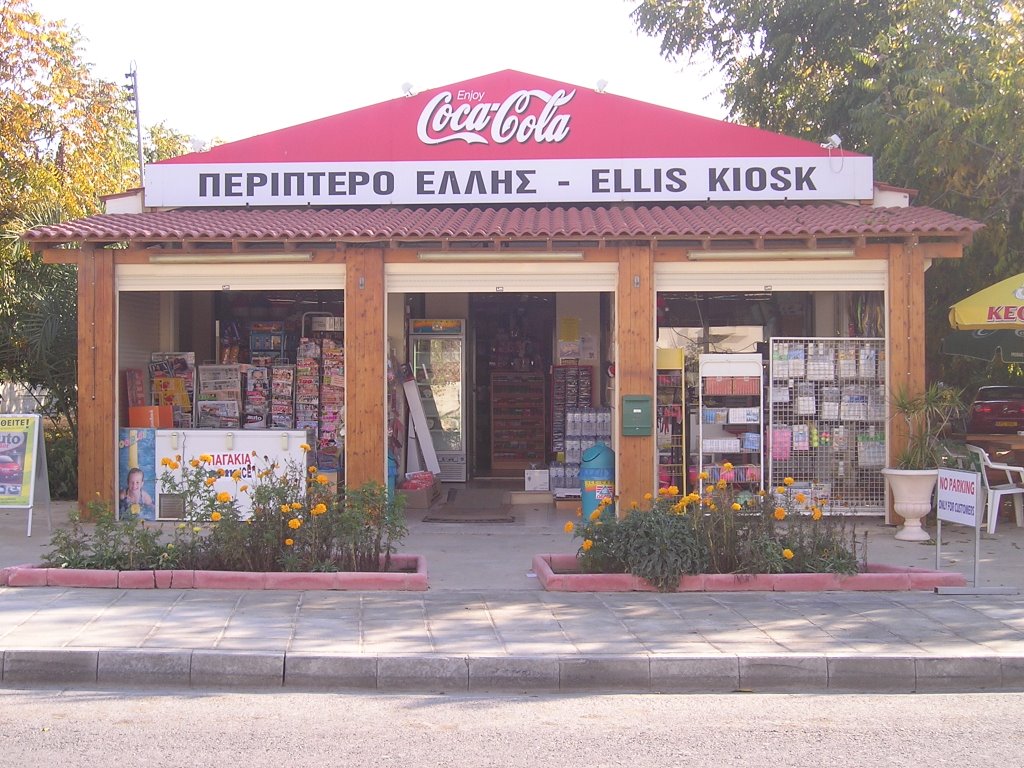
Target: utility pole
x,y
133,94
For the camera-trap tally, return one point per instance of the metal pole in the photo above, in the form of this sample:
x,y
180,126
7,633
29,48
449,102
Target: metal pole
x,y
133,88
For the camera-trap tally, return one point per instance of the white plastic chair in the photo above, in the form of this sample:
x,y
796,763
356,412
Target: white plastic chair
x,y
994,493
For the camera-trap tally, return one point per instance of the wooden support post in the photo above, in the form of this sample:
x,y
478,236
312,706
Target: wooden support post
x,y
365,368
634,368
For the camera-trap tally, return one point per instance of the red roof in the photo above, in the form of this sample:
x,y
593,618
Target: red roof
x,y
655,222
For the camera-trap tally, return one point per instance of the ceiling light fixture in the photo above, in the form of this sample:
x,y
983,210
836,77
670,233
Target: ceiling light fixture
x,y
760,254
501,256
229,258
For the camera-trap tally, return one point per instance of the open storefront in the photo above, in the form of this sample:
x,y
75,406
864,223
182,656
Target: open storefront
x,y
573,257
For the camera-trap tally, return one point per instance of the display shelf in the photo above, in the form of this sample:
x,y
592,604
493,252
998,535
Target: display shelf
x,y
671,420
517,421
571,387
827,410
730,423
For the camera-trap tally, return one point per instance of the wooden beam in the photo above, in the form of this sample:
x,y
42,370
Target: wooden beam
x,y
97,378
365,368
634,366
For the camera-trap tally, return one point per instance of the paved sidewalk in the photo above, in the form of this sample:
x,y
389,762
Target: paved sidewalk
x,y
486,626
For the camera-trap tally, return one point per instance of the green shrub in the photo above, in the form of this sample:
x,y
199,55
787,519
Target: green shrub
x,y
717,530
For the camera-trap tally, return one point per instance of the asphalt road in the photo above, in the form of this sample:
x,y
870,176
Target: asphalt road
x,y
126,728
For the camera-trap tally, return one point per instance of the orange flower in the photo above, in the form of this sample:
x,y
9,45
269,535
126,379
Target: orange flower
x,y
223,497
780,513
289,542
569,527
800,498
587,544
788,554
815,513
215,517
295,523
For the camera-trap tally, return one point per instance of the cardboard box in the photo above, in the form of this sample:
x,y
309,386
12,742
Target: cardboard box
x,y
151,417
422,498
536,480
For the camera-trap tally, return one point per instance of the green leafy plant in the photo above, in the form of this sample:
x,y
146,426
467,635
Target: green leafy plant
x,y
929,417
296,522
719,529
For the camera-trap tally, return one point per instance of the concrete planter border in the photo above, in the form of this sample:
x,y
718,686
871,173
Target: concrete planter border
x,y
557,573
397,580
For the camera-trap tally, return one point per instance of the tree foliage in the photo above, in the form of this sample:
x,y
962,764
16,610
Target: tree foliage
x,y
932,89
67,138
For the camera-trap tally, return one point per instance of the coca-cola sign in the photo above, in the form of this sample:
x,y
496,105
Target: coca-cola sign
x,y
524,116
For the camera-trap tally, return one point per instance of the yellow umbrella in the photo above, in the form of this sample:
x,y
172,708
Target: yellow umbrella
x,y
1000,306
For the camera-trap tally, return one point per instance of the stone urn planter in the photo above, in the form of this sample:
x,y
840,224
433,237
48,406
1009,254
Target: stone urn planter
x,y
912,493
408,574
560,573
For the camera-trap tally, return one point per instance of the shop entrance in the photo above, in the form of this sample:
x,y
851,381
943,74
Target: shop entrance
x,y
509,359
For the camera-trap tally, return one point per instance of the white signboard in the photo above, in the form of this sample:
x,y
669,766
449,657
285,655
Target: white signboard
x,y
958,497
665,180
248,451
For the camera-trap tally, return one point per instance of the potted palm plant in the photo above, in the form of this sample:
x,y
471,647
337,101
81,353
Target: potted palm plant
x,y
929,417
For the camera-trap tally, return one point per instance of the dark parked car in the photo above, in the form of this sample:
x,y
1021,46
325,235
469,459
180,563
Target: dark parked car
x,y
10,470
997,409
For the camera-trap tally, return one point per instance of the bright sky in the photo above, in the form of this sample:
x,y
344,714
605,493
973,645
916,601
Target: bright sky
x,y
231,69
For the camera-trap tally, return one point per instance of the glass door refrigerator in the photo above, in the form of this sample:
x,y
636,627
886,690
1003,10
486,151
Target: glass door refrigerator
x,y
437,354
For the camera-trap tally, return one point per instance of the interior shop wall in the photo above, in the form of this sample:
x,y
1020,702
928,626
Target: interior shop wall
x,y
447,306
586,309
827,314
138,335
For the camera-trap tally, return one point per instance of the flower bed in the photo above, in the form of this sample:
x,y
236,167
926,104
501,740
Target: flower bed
x,y
408,573
560,573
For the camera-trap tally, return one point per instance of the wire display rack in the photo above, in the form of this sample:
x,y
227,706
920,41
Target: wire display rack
x,y
826,425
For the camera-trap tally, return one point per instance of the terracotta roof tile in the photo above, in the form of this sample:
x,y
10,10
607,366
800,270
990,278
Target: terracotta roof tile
x,y
582,222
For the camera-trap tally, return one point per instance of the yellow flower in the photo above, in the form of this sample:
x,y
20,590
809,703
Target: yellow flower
x,y
704,475
587,544
569,527
736,507
788,554
319,509
220,472
223,497
305,447
164,461
173,465
647,496
295,523
815,513
673,490
322,479
205,457
579,511
296,505
780,513
170,546
196,529
727,466
312,470
210,481
194,463
721,484
215,517
289,542
285,509
181,526
800,498
709,489
595,515
780,489
236,475
243,488
787,481
633,505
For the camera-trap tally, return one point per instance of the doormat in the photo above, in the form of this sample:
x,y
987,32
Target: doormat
x,y
447,514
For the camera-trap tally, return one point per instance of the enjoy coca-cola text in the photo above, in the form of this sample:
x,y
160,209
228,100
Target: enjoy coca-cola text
x,y
516,118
